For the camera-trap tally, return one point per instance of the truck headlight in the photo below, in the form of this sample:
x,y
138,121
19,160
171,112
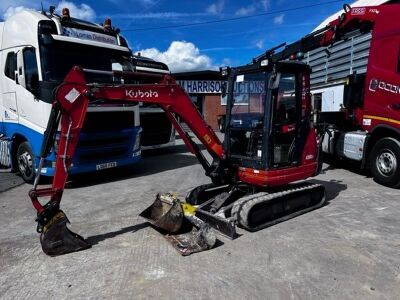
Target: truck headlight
x,y
137,141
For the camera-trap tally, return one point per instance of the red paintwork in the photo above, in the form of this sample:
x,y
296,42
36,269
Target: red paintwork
x,y
276,178
307,168
383,65
308,165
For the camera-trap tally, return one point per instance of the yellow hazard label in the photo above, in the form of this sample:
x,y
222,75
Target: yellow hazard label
x,y
188,210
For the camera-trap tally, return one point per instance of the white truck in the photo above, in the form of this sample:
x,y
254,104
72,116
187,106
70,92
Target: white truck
x,y
37,49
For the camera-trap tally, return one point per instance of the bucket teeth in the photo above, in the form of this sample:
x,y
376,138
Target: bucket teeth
x,y
56,239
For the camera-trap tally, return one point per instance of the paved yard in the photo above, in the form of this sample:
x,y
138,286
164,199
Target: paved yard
x,y
349,249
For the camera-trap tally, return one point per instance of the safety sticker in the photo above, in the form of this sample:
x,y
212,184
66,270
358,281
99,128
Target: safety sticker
x,y
72,95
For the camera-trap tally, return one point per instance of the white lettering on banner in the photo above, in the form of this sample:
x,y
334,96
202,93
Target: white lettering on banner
x,y
201,86
214,87
90,36
139,94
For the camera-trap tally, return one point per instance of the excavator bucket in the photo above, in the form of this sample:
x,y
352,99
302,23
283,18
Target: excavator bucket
x,y
56,239
165,213
187,233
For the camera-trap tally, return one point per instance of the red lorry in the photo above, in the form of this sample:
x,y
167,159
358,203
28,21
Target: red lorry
x,y
366,125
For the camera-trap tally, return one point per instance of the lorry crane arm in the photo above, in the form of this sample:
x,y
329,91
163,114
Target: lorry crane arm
x,y
69,111
351,20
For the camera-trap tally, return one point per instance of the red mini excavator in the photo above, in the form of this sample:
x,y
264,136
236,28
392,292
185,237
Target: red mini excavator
x,y
266,149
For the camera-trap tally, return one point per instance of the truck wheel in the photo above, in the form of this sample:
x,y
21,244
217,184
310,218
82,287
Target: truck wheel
x,y
26,162
385,162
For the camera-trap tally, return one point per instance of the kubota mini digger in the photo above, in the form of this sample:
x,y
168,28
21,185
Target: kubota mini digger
x,y
253,171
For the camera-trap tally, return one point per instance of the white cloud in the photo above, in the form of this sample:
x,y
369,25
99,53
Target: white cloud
x,y
252,8
13,10
279,19
216,8
245,11
259,44
6,4
82,11
181,56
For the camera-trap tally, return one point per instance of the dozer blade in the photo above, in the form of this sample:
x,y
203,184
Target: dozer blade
x,y
262,210
56,239
187,233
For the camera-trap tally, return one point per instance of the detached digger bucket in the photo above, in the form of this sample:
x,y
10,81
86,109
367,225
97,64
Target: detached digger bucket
x,y
165,213
187,233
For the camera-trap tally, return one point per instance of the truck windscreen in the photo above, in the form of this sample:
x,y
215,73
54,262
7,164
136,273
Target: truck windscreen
x,y
59,57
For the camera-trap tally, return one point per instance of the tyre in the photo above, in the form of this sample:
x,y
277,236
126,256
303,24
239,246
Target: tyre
x,y
26,162
385,162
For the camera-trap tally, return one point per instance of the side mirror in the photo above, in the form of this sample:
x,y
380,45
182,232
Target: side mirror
x,y
223,89
20,76
34,84
274,81
16,77
47,39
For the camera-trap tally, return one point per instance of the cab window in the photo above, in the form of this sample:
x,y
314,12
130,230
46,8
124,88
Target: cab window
x,y
31,70
11,65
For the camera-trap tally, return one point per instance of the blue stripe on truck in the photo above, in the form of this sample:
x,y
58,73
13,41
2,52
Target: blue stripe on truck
x,y
35,139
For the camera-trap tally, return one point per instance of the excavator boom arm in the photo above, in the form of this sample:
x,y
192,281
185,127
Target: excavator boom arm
x,y
70,107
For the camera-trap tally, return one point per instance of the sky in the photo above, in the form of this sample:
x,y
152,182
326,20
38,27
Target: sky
x,y
199,47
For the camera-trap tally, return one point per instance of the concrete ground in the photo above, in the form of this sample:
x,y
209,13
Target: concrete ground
x,y
349,249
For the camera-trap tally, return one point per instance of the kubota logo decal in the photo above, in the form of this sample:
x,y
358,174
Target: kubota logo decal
x,y
139,94
376,84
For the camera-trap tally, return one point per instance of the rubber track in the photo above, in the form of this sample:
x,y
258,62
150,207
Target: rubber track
x,y
242,207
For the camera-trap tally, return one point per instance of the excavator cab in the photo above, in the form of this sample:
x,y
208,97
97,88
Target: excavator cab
x,y
266,121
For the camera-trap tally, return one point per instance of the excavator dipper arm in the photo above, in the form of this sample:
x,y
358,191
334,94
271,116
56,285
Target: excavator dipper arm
x,y
69,111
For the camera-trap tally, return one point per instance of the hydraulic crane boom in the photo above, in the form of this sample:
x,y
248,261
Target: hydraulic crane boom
x,y
356,19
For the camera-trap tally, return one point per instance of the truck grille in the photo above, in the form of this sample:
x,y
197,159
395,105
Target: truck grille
x,y
114,120
156,128
106,136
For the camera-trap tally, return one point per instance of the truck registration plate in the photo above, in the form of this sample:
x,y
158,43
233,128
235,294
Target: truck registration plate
x,y
106,165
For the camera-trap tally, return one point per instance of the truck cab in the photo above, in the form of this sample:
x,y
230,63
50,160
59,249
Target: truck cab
x,y
38,49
